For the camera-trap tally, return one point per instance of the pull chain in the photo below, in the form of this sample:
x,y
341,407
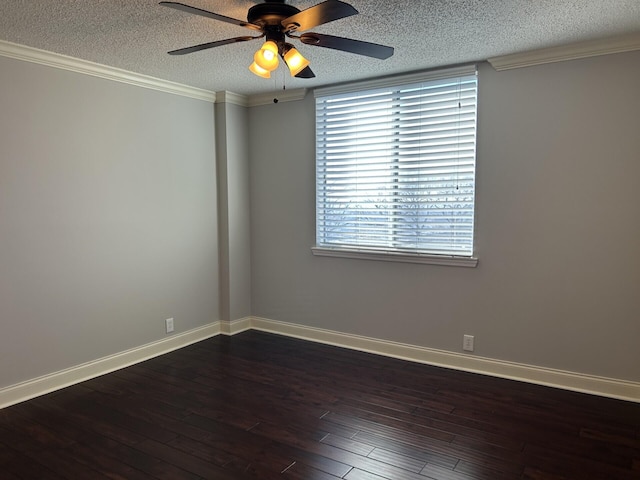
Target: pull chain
x,y
284,87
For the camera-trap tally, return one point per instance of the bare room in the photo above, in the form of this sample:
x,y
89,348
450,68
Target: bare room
x,y
207,272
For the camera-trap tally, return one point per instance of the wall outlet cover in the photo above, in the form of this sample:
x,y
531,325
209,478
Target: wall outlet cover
x,y
467,343
169,325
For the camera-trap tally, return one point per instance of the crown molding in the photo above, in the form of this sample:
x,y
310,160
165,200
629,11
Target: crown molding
x,y
591,48
276,97
260,98
395,80
56,60
234,98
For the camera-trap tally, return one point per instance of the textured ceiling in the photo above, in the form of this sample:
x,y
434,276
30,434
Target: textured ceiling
x,y
136,34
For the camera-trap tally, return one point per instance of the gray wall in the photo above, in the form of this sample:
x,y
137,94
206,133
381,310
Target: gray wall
x,y
108,223
232,155
107,217
558,229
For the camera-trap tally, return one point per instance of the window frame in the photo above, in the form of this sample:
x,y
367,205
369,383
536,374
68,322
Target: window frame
x,y
392,255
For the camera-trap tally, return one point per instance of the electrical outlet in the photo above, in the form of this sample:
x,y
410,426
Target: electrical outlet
x,y
169,324
467,343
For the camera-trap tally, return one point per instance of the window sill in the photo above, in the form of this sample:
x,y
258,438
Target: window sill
x,y
388,256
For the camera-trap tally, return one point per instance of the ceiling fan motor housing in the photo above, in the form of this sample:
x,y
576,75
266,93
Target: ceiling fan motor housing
x,y
270,13
269,16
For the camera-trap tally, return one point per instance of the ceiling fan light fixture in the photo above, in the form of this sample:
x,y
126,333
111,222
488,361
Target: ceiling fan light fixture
x,y
295,61
276,20
267,57
259,71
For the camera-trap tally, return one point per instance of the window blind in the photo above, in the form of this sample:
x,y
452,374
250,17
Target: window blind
x,y
395,166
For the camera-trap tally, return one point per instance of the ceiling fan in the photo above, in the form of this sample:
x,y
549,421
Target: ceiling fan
x,y
276,21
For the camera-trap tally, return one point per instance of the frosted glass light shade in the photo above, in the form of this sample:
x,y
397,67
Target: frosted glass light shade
x,y
267,56
295,61
259,71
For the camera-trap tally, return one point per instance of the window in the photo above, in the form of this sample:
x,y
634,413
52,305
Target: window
x,y
395,167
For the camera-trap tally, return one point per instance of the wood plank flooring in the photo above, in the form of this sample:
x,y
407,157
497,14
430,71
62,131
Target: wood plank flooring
x,y
262,406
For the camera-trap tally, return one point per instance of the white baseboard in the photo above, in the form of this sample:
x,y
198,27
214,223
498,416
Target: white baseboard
x,y
70,376
235,326
607,387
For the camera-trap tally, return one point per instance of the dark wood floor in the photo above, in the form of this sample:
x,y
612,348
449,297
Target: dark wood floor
x,y
261,406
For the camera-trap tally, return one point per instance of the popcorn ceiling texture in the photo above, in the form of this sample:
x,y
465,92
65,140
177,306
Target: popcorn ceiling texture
x,y
136,34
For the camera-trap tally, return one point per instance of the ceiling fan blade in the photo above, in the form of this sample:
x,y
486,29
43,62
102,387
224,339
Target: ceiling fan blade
x,y
204,46
347,45
306,73
324,12
205,13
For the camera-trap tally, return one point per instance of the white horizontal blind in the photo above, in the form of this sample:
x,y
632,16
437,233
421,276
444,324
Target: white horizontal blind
x,y
395,167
